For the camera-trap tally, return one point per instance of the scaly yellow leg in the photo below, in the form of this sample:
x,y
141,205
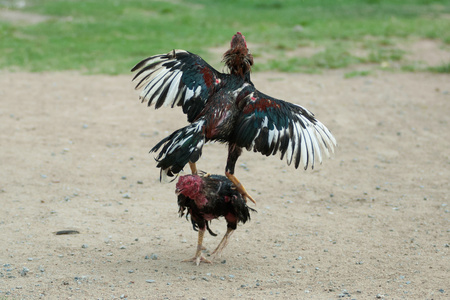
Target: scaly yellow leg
x,y
198,254
193,168
223,243
239,187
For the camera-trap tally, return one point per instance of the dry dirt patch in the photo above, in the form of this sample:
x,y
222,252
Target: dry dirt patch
x,y
371,223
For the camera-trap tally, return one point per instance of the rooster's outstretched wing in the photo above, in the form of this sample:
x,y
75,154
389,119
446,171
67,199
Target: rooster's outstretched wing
x,y
178,78
268,125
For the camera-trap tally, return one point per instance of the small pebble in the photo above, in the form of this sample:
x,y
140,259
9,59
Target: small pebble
x,y
130,271
24,271
154,256
85,246
150,281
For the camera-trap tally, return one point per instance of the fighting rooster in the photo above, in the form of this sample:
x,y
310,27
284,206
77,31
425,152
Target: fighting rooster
x,y
229,109
206,198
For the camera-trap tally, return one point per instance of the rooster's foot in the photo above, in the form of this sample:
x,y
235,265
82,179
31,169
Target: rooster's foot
x,y
197,259
239,187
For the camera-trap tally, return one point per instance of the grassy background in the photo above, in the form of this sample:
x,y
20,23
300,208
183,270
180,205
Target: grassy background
x,y
110,36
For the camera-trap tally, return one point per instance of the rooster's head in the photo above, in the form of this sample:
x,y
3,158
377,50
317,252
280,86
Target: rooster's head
x,y
238,58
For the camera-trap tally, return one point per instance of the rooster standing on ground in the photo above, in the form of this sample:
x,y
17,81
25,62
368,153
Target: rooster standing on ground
x,y
210,197
229,109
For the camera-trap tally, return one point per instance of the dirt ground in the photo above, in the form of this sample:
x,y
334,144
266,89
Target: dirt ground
x,y
370,223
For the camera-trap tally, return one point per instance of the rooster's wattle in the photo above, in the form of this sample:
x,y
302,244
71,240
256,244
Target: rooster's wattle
x,y
229,109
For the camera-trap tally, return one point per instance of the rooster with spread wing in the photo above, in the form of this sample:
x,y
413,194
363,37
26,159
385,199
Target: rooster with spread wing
x,y
229,109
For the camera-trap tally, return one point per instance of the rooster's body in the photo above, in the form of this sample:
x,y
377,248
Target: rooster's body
x,y
206,198
229,109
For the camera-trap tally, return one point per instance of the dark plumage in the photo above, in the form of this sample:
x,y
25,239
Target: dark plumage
x,y
229,109
206,198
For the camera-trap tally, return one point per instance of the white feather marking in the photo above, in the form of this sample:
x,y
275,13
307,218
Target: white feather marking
x,y
265,122
173,90
271,136
148,82
150,74
188,96
167,81
321,139
254,140
328,138
197,91
297,138
316,146
304,153
289,150
154,84
309,151
276,136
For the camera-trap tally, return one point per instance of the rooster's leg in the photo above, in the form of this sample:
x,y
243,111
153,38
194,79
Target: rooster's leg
x,y
239,187
223,243
198,254
193,168
233,154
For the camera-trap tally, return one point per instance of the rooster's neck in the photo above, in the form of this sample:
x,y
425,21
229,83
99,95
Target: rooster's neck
x,y
200,200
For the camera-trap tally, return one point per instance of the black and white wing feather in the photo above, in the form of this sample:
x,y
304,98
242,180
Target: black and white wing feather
x,y
177,78
268,125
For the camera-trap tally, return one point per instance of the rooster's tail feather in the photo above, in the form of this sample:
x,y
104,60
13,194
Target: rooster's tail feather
x,y
182,146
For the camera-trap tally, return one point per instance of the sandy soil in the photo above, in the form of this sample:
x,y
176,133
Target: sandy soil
x,y
373,222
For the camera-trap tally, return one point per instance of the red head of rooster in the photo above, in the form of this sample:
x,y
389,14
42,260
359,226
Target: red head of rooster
x,y
191,186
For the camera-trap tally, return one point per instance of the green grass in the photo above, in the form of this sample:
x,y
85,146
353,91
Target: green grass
x,y
445,68
110,36
356,74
